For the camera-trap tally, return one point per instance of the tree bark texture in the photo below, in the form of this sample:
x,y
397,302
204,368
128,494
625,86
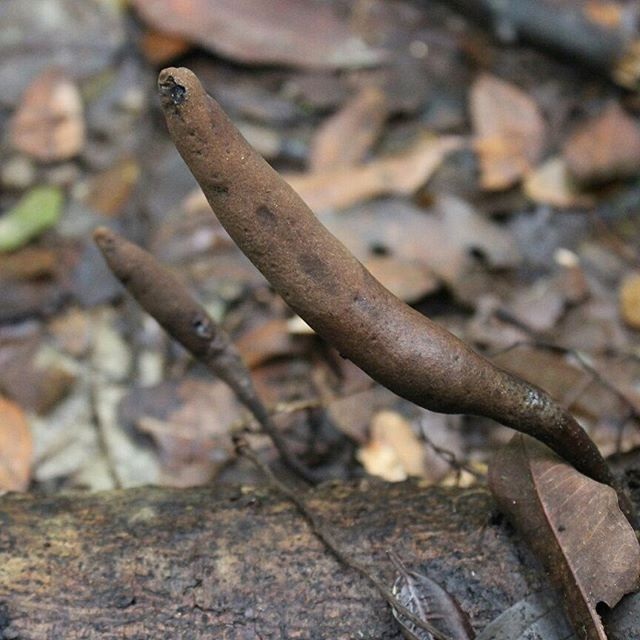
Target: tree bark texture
x,y
241,563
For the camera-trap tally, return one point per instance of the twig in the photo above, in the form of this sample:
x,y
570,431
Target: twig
x,y
333,546
168,301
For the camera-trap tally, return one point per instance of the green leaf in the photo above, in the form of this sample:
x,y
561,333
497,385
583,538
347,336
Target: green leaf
x,y
36,212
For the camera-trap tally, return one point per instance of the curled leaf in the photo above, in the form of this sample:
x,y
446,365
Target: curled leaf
x,y
426,599
574,526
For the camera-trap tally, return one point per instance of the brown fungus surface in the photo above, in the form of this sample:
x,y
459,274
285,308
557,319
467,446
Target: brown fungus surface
x,y
322,282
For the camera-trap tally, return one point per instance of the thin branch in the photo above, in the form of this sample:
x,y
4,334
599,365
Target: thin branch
x,y
167,300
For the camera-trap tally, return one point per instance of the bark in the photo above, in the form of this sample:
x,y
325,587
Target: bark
x,y
238,563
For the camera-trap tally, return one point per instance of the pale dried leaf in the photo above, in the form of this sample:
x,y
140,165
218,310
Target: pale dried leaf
x,y
604,147
510,131
551,184
49,122
401,174
393,452
347,137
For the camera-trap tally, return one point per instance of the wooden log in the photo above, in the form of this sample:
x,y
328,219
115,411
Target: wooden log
x,y
240,562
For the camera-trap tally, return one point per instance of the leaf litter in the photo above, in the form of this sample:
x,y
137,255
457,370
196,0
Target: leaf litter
x,y
552,505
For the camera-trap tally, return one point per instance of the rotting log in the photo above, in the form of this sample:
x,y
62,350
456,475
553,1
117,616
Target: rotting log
x,y
240,562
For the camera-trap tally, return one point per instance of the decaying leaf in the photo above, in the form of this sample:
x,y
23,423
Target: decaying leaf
x,y
49,122
573,524
539,616
16,447
190,424
407,279
510,131
347,137
426,599
271,339
400,174
605,147
304,33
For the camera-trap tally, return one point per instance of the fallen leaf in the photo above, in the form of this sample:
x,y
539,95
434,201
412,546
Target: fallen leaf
x,y
28,263
32,375
539,616
401,174
552,184
407,279
394,452
160,48
553,372
510,131
540,305
271,339
190,423
630,300
604,13
35,212
347,136
109,190
16,447
301,33
604,148
48,125
427,600
573,524
442,239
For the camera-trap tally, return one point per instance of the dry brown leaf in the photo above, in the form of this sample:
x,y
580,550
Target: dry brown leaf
x,y
401,174
272,339
49,122
303,33
573,524
550,183
605,14
510,131
190,423
630,300
159,47
16,447
109,190
604,147
562,379
407,279
347,137
442,240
